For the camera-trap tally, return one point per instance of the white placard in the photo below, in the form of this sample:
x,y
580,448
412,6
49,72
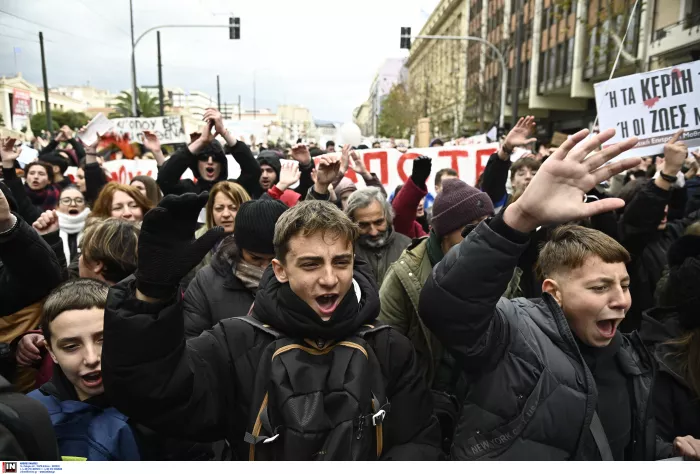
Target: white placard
x,y
652,106
99,125
168,129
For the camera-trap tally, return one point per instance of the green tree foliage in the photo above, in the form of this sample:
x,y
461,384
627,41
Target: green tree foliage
x,y
398,117
59,118
148,105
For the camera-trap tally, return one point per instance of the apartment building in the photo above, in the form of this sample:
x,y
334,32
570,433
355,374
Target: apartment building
x,y
565,47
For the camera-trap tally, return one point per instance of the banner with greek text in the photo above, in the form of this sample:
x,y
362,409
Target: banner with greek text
x,y
168,129
652,106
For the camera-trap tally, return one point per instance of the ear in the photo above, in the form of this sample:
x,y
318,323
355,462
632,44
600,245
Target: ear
x,y
53,356
98,267
279,270
552,287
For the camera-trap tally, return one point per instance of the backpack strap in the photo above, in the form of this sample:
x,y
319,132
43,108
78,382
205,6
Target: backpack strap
x,y
601,440
371,328
260,325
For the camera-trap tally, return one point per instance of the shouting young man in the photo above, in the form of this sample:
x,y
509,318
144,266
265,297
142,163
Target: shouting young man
x,y
309,375
569,384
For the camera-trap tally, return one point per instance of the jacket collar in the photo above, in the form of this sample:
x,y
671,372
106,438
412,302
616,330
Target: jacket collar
x,y
224,262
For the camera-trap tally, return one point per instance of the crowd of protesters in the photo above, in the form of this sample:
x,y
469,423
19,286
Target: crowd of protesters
x,y
546,312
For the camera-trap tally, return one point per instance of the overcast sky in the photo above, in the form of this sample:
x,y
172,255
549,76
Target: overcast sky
x,y
322,54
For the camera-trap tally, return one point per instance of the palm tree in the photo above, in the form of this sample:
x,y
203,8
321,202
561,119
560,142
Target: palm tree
x,y
147,104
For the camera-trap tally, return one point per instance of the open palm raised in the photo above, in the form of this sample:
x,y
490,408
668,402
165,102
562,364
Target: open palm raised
x,y
556,193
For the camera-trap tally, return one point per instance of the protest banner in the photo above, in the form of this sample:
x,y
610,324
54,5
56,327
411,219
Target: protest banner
x,y
390,165
168,129
652,106
21,108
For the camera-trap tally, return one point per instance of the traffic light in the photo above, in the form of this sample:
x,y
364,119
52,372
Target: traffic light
x,y
234,28
405,37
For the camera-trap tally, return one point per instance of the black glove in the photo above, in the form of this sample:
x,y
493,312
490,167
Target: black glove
x,y
421,170
167,249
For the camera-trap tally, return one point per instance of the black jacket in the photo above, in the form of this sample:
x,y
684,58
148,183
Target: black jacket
x,y
648,246
216,293
170,173
29,269
532,396
676,406
202,388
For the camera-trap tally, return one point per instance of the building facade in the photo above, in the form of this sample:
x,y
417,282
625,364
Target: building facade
x,y
392,72
563,48
362,118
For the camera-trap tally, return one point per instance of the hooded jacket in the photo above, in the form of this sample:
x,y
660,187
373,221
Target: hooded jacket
x,y
110,428
202,388
532,396
170,173
381,258
676,406
216,293
288,196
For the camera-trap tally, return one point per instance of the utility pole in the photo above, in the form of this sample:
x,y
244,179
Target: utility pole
x,y
161,99
218,94
515,86
134,92
239,107
49,123
255,112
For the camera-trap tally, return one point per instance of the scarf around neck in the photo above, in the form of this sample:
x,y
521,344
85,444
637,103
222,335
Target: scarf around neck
x,y
46,198
72,224
434,248
249,275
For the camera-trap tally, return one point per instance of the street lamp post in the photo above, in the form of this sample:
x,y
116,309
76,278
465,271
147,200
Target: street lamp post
x,y
236,30
504,69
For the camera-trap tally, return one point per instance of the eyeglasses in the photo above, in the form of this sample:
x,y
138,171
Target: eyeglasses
x,y
69,201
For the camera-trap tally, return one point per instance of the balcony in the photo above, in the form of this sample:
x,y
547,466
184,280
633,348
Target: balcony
x,y
675,36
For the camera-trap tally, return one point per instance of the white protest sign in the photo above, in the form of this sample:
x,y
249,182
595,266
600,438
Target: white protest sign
x,y
390,165
652,106
99,125
27,154
168,129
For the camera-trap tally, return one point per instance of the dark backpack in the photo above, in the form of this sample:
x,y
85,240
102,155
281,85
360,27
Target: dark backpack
x,y
317,400
26,433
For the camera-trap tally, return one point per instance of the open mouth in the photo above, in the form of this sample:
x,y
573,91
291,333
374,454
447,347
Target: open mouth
x,y
92,379
210,171
607,327
73,212
327,303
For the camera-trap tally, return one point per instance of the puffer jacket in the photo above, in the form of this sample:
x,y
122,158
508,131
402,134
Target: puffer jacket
x,y
216,293
201,389
676,406
380,259
532,396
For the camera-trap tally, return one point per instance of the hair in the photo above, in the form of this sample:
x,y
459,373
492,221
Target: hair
x,y
103,204
365,197
330,143
114,243
72,295
310,217
524,162
235,192
444,172
71,187
686,351
570,245
153,191
47,167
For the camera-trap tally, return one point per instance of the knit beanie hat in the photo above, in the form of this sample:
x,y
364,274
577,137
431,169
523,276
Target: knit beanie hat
x,y
255,225
54,158
457,205
344,186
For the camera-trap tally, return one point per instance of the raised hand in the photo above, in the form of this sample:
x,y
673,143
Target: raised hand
x,y
214,117
7,220
518,136
345,158
688,447
300,153
167,249
29,349
675,153
556,193
151,141
358,164
8,152
289,174
421,170
46,223
328,169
